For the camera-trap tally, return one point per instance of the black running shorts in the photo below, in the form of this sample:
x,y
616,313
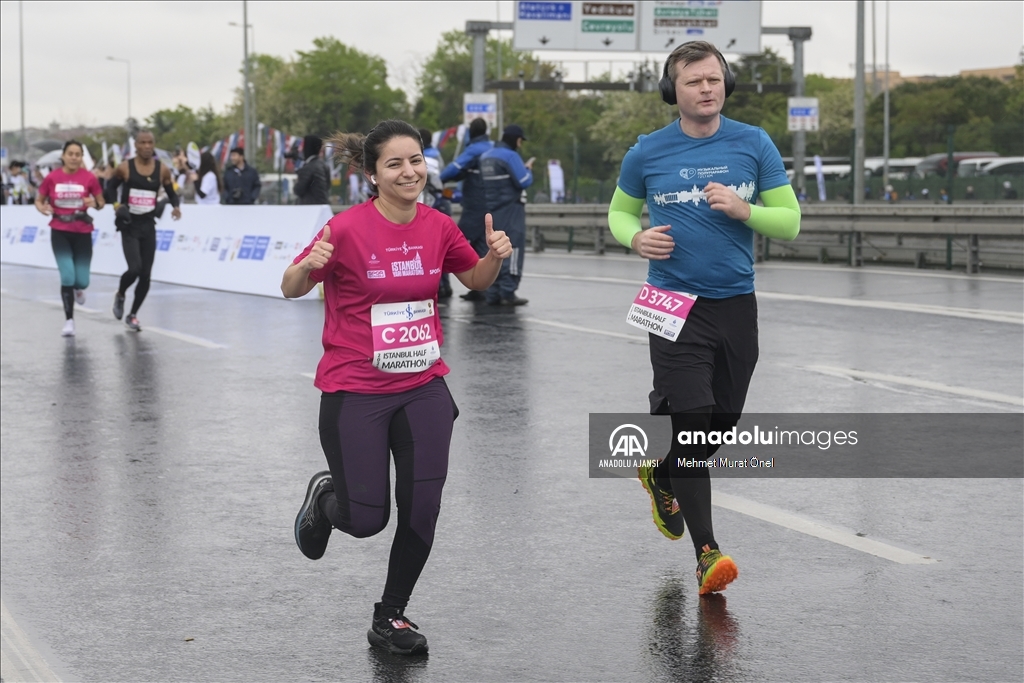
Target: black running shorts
x,y
711,362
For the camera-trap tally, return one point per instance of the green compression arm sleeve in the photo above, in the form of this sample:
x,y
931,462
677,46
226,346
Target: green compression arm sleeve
x,y
779,218
624,217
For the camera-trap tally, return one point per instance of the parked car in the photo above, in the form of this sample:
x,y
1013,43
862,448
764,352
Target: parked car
x,y
936,163
1005,166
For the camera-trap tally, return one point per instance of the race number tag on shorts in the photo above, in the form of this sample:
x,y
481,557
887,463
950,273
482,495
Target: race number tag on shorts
x,y
68,196
660,311
141,201
404,338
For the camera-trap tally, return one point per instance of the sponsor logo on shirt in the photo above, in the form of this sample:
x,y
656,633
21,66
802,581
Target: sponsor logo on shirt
x,y
376,274
435,271
405,249
746,192
413,266
373,260
702,173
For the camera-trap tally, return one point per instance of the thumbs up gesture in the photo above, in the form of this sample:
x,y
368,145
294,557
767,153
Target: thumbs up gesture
x,y
321,252
497,240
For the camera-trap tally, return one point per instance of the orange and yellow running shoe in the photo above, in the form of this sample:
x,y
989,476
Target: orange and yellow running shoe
x,y
715,571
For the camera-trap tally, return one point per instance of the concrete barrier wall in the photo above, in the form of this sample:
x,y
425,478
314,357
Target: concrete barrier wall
x,y
230,248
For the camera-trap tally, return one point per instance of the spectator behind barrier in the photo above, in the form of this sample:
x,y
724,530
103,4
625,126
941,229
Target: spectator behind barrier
x,y
208,183
313,184
241,181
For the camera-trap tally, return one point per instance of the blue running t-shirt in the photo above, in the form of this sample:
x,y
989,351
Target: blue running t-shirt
x,y
714,255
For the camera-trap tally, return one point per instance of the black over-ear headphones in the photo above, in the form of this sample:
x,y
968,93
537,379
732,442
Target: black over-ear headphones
x,y
668,87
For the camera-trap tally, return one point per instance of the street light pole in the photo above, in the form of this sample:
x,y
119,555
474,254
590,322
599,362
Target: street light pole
x,y
118,59
858,111
248,115
21,67
885,142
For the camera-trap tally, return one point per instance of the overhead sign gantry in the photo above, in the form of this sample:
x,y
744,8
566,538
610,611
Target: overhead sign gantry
x,y
655,26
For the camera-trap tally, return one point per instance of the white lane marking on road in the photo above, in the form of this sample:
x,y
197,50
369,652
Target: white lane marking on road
x,y
586,278
794,266
180,336
308,374
60,304
588,330
19,661
850,373
788,520
1011,317
885,271
565,326
188,338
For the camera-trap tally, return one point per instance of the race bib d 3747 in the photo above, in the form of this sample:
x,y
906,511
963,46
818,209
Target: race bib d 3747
x,y
660,311
404,337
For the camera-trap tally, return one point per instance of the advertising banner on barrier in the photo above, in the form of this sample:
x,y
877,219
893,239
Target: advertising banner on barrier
x,y
241,249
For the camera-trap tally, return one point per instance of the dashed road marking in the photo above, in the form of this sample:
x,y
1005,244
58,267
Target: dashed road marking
x,y
1009,317
188,338
19,661
562,326
849,373
788,520
180,336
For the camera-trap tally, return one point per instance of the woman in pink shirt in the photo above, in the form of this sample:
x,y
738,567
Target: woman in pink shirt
x,y
66,195
381,374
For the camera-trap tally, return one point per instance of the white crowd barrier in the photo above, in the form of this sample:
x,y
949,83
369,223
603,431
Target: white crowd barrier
x,y
241,249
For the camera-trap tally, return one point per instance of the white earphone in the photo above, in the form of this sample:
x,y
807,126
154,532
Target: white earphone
x,y
373,179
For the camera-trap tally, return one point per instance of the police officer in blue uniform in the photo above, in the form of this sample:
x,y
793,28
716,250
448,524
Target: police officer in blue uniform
x,y
505,179
466,168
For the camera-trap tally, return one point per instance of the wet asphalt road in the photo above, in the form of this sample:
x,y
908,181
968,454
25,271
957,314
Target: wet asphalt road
x,y
150,483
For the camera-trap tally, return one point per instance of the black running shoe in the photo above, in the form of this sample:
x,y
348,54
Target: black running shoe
x,y
312,528
391,631
473,295
132,321
118,306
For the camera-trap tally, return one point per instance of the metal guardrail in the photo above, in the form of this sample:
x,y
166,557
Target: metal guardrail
x,y
919,235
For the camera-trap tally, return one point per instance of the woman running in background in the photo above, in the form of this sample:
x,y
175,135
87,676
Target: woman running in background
x,y
66,195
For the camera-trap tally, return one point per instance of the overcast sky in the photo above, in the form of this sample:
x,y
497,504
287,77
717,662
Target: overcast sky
x,y
186,53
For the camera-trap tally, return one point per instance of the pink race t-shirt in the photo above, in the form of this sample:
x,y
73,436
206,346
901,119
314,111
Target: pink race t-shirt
x,y
376,263
66,192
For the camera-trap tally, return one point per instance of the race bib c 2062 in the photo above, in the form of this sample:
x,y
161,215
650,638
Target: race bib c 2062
x,y
404,337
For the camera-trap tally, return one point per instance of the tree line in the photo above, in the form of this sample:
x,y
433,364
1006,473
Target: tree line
x,y
333,87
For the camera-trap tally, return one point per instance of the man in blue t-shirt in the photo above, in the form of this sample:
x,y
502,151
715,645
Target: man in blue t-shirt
x,y
700,177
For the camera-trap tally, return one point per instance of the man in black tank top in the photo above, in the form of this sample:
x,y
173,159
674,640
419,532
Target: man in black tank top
x,y
141,178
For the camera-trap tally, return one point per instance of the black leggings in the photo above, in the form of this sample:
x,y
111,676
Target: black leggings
x,y
692,485
139,243
356,432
